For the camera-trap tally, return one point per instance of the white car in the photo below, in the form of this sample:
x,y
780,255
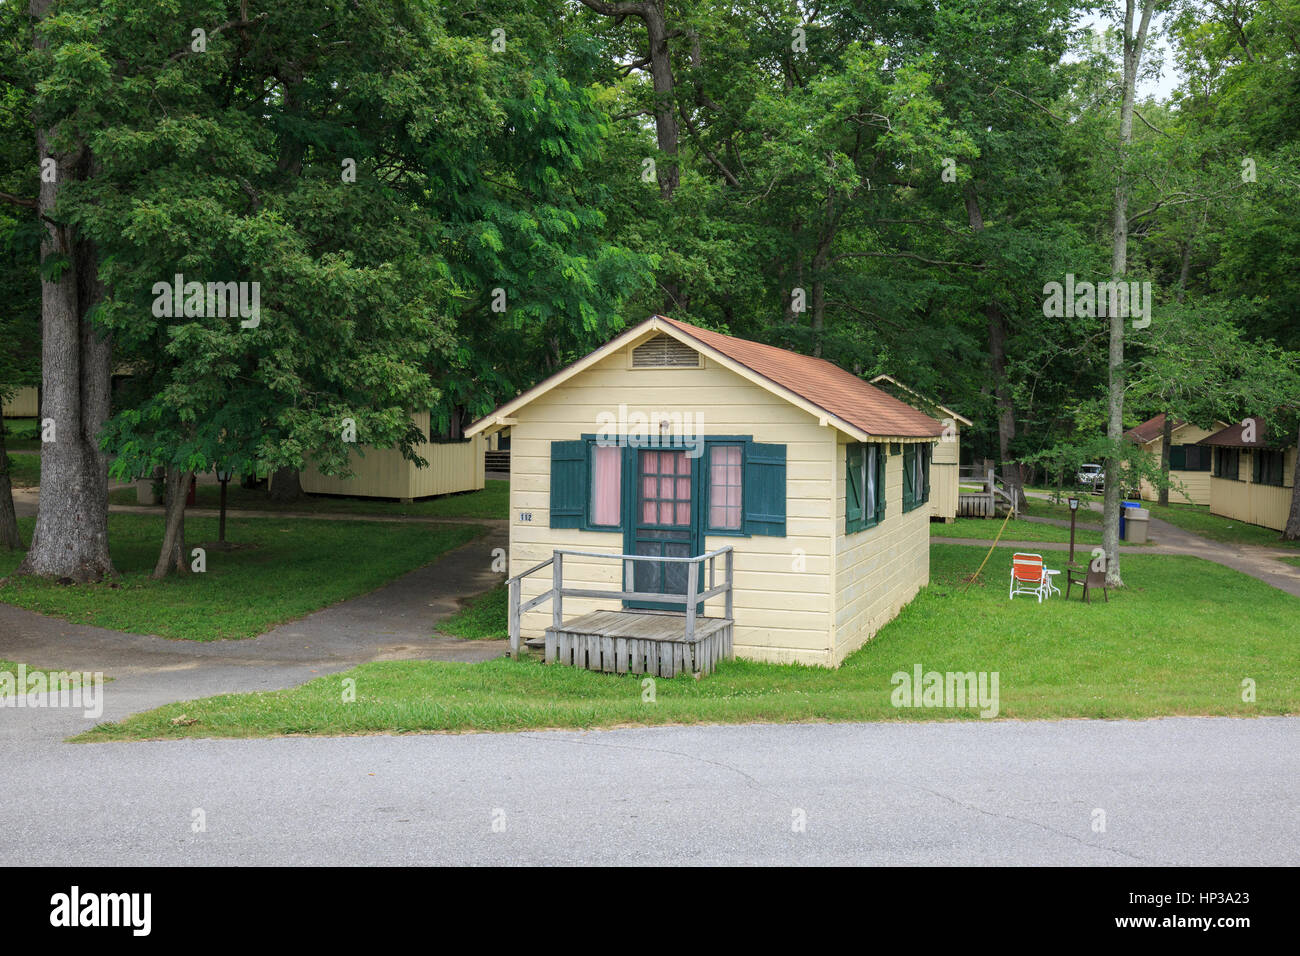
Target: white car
x,y
1090,475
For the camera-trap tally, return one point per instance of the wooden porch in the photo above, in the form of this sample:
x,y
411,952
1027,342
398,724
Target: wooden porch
x,y
987,501
661,643
639,642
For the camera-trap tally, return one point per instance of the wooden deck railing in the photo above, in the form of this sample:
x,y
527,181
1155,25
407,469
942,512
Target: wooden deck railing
x,y
982,503
558,592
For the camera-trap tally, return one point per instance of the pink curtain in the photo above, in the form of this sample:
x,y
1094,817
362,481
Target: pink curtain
x,y
606,481
724,487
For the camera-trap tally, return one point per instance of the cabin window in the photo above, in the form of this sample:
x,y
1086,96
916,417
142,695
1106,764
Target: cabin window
x,y
916,476
606,486
1227,463
864,486
1268,467
1189,458
725,486
739,484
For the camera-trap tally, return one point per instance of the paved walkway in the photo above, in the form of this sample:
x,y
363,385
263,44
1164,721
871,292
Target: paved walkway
x,y
395,622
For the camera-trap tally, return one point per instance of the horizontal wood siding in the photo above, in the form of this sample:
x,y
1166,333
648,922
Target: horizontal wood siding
x,y
782,585
945,470
880,569
1265,505
24,403
384,473
1197,483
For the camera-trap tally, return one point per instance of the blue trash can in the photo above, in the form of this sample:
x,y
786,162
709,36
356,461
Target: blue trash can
x,y
1123,533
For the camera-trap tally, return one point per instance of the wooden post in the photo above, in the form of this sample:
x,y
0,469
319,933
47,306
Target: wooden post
x,y
629,575
731,585
692,570
515,586
557,596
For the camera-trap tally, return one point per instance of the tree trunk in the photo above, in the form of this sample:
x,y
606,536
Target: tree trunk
x,y
286,486
1166,444
173,556
1292,530
9,537
71,535
667,132
1112,501
1006,408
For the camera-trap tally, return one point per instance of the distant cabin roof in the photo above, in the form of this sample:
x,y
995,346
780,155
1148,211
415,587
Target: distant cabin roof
x,y
1233,436
918,400
1150,429
851,404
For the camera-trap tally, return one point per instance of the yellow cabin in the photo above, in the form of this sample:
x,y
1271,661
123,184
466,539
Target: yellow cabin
x,y
24,403
1252,478
384,473
1189,462
945,482
678,463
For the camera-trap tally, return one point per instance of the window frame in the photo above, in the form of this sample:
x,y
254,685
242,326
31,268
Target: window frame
x,y
588,524
870,514
1259,473
706,489
1220,454
916,457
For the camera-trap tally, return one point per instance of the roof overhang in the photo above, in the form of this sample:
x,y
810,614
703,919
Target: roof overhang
x,y
505,415
929,401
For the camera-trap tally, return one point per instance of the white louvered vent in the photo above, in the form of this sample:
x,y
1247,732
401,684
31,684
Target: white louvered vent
x,y
664,351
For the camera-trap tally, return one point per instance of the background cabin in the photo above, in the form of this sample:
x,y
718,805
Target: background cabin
x,y
1189,462
383,472
1251,480
23,403
945,481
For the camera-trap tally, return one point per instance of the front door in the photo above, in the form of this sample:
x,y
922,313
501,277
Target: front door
x,y
664,523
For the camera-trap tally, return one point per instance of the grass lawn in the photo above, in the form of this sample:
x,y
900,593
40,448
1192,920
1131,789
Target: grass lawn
x,y
1158,648
492,502
25,470
484,618
22,433
284,570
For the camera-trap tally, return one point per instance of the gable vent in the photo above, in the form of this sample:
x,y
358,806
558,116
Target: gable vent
x,y
664,351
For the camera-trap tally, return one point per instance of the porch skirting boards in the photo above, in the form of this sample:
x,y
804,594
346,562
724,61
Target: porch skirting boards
x,y
628,642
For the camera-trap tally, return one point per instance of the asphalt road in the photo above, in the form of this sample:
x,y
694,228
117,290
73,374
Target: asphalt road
x,y
1173,791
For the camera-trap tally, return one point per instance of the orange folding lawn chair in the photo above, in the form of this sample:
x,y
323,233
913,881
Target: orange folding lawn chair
x,y
1028,575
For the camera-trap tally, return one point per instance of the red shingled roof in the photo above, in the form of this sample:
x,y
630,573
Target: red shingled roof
x,y
823,383
1150,429
1231,437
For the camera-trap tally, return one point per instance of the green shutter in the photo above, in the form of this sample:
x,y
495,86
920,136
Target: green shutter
x,y
764,494
880,483
926,451
568,483
1256,460
1178,458
854,493
909,484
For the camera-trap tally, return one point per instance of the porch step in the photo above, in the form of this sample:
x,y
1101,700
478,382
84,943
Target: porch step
x,y
626,642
